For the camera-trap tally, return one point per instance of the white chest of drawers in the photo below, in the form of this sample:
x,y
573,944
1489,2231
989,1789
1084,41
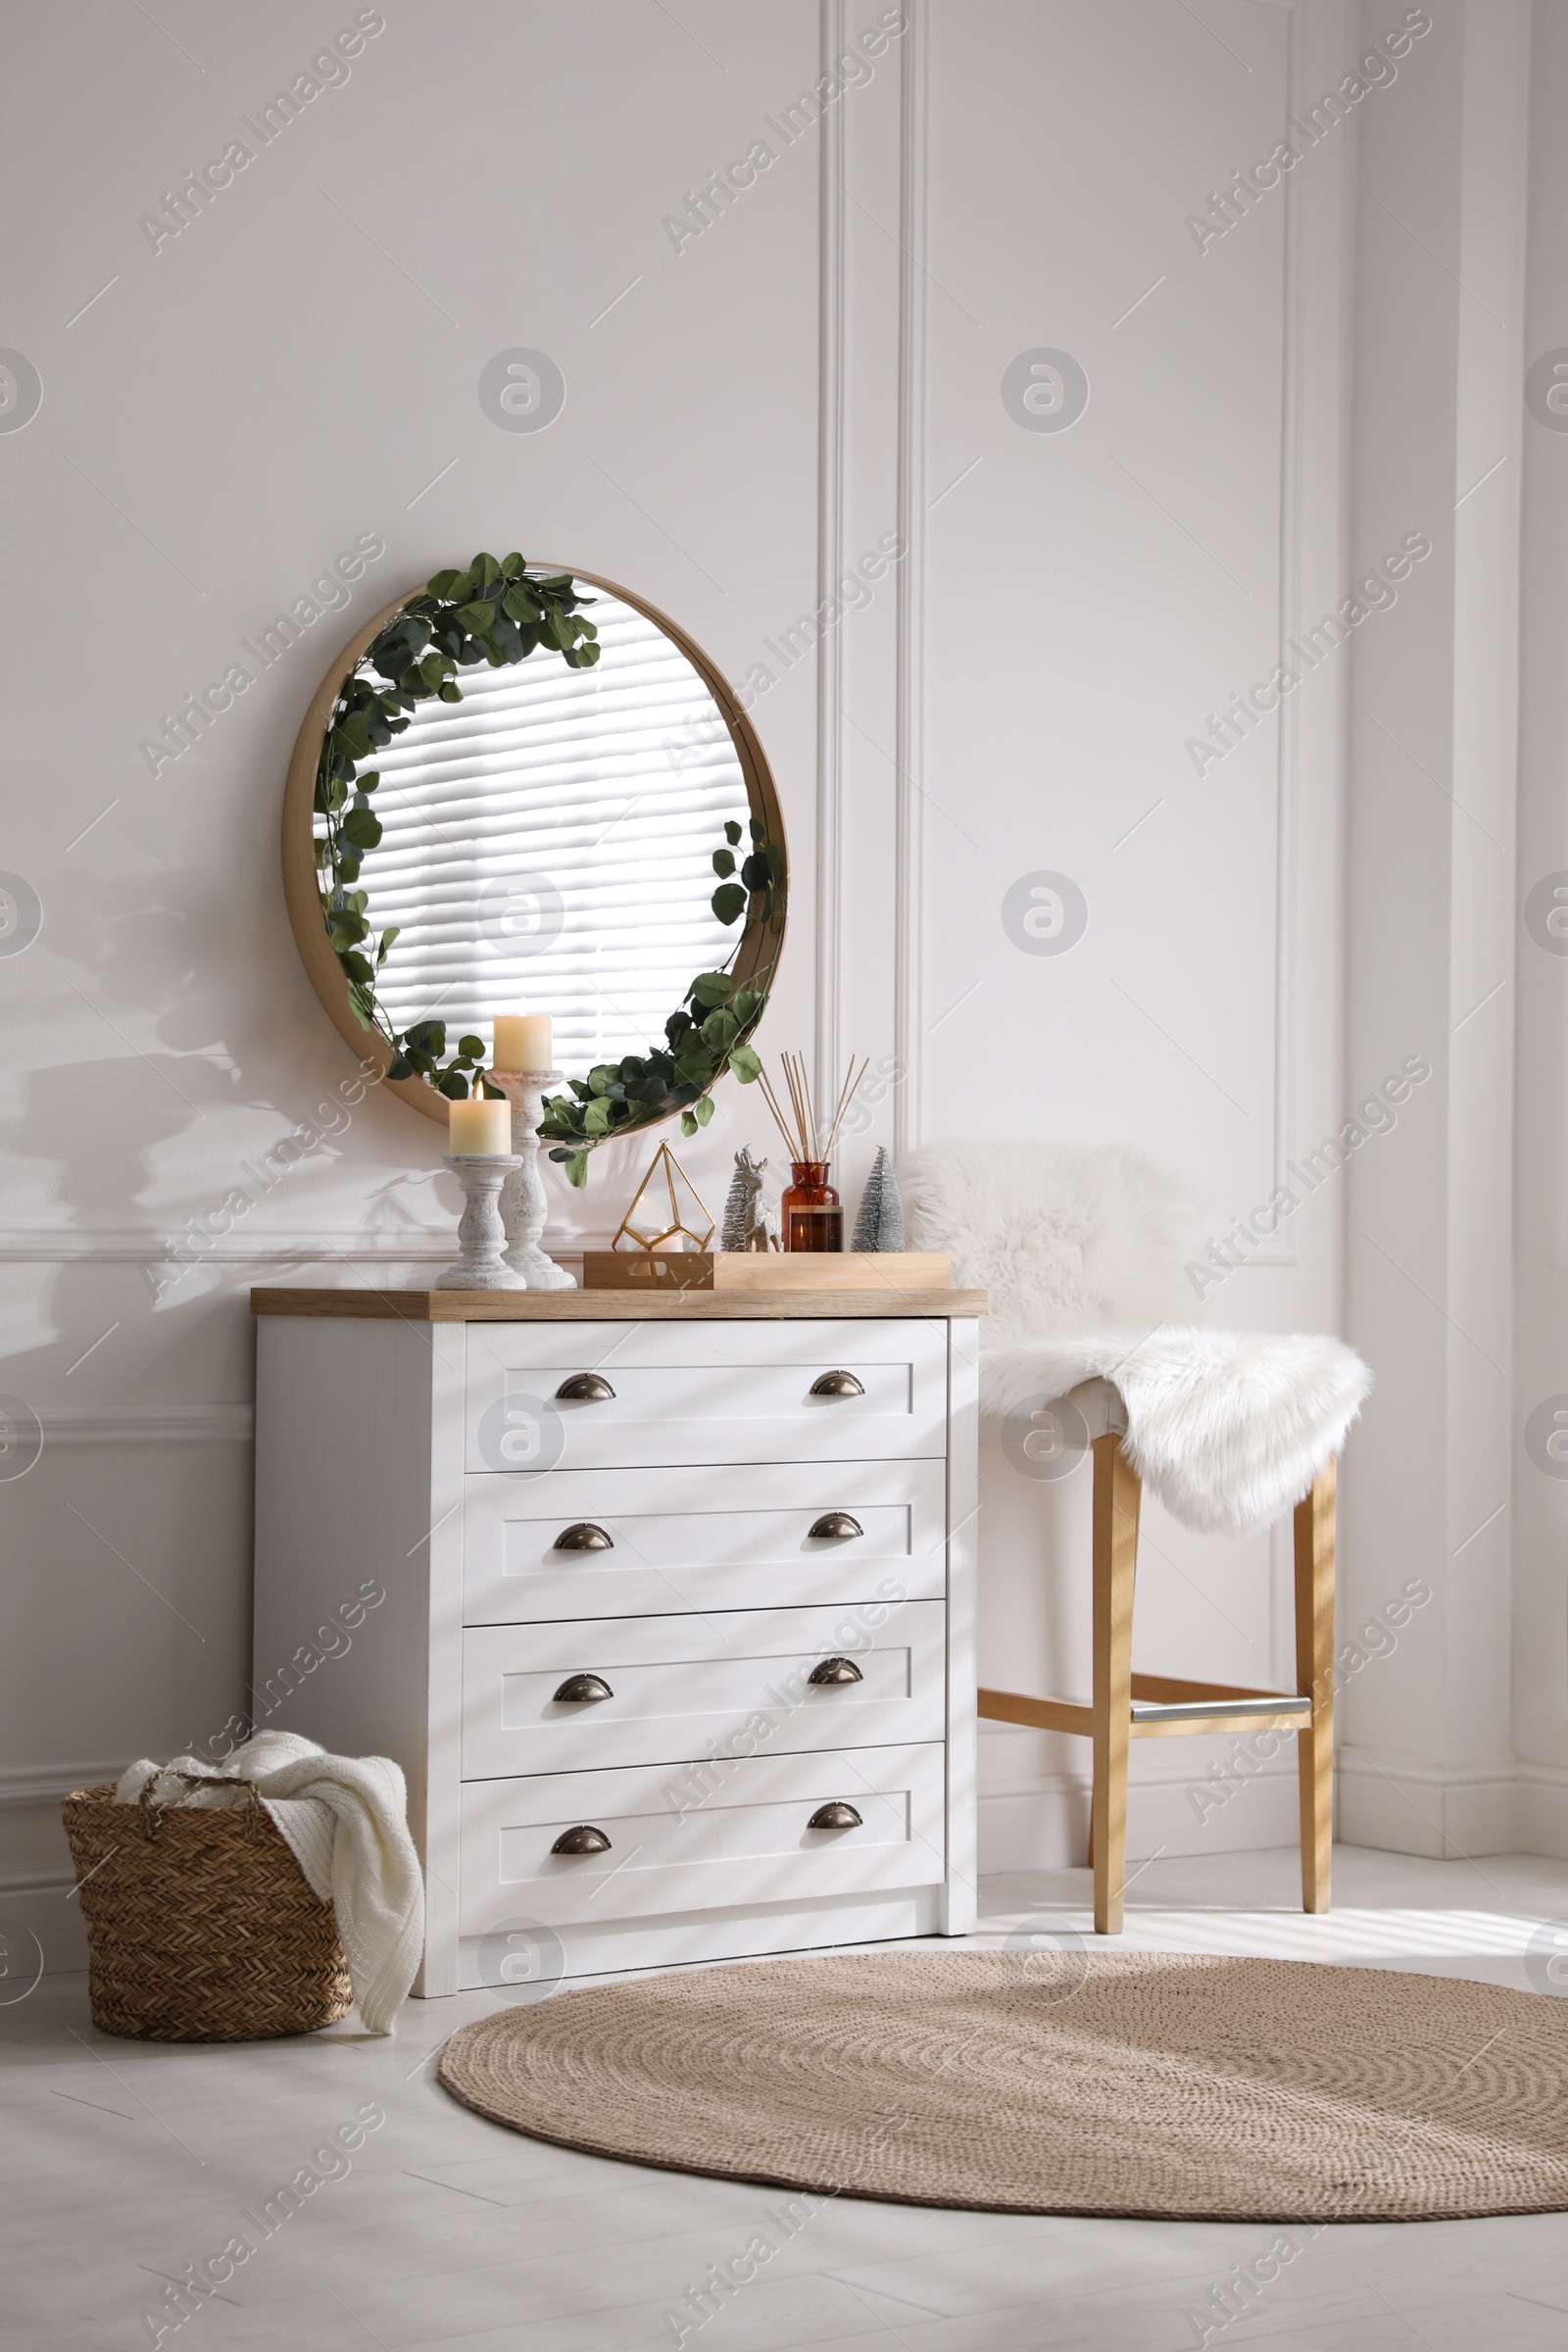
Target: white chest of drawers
x,y
685,1582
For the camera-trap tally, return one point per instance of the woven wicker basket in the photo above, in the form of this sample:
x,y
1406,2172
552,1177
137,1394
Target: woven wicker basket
x,y
201,1926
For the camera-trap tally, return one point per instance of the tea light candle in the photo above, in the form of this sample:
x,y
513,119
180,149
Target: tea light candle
x,y
523,1042
480,1126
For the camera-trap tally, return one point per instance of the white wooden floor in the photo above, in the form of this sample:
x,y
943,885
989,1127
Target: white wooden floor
x,y
125,2162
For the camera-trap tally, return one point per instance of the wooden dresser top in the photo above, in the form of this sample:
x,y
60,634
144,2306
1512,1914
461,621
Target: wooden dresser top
x,y
618,1306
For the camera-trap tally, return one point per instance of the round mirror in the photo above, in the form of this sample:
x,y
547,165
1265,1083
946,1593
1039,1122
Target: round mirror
x,y
524,790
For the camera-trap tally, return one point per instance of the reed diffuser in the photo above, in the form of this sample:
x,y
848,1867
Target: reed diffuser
x,y
810,1212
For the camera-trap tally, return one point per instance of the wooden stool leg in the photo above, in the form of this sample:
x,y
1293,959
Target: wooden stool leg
x,y
1118,1491
1314,1673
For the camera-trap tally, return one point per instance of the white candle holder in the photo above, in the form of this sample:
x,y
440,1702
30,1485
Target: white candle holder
x,y
481,1233
523,1206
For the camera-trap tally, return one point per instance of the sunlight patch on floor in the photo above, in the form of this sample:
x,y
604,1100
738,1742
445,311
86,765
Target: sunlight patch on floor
x,y
1348,1935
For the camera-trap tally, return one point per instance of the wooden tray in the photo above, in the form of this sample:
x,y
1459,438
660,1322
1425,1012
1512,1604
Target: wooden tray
x,y
776,1270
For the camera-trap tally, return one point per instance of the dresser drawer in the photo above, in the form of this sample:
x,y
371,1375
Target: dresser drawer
x,y
757,1392
682,1687
747,1840
734,1538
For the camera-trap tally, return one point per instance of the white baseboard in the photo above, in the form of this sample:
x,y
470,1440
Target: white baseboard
x,y
36,1878
1541,1809
1396,1803
1172,1808
1408,1805
43,1908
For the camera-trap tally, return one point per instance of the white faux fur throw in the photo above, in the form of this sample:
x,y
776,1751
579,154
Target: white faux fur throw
x,y
345,1819
1228,1428
1082,1249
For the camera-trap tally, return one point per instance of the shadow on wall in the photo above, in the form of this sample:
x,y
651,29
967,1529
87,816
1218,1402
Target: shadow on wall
x,y
127,1140
100,1125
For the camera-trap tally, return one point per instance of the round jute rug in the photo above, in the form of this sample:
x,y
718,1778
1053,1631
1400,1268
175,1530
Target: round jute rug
x,y
1017,2081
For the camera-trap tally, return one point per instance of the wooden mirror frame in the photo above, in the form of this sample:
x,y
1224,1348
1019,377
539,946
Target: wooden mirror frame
x,y
302,890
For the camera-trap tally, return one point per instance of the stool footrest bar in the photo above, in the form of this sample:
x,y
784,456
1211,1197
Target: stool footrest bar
x,y
1287,1710
1185,1710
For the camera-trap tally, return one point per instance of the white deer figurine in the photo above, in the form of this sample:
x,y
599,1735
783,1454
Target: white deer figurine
x,y
749,1222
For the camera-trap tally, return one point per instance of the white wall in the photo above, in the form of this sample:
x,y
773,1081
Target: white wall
x,y
1130,576
744,417
1427,1764
1540,1053
224,418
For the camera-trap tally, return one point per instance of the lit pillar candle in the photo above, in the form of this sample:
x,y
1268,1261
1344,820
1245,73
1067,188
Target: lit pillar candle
x,y
480,1126
522,1042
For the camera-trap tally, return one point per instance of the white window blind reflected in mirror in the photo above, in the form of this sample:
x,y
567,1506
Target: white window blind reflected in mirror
x,y
548,844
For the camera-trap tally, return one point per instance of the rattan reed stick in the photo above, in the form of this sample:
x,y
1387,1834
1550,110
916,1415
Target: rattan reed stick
x,y
771,1100
801,1129
852,1085
842,1104
792,1081
810,1108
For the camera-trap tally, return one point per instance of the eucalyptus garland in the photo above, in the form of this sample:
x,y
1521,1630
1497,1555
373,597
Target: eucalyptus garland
x,y
500,613
492,613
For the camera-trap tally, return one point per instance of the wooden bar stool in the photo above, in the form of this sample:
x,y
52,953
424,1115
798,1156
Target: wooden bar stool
x,y
1092,1253
1149,1706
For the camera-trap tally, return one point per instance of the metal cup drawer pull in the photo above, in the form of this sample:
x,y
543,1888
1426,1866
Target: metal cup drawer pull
x,y
583,1535
836,1816
585,1689
831,1670
836,1524
836,1384
586,1388
583,1840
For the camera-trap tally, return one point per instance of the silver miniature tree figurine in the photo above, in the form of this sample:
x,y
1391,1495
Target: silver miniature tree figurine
x,y
879,1222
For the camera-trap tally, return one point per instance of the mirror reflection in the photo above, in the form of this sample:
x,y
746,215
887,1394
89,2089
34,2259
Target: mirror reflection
x,y
549,842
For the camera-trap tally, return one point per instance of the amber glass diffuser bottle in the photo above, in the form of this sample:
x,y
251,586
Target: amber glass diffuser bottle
x,y
810,1212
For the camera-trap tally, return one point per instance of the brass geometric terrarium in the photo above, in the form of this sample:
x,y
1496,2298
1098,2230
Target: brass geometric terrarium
x,y
673,1215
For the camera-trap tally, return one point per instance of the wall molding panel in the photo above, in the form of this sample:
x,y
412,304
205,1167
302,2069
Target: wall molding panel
x,y
146,1424
830,566
1297,344
48,1784
135,1245
909,940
